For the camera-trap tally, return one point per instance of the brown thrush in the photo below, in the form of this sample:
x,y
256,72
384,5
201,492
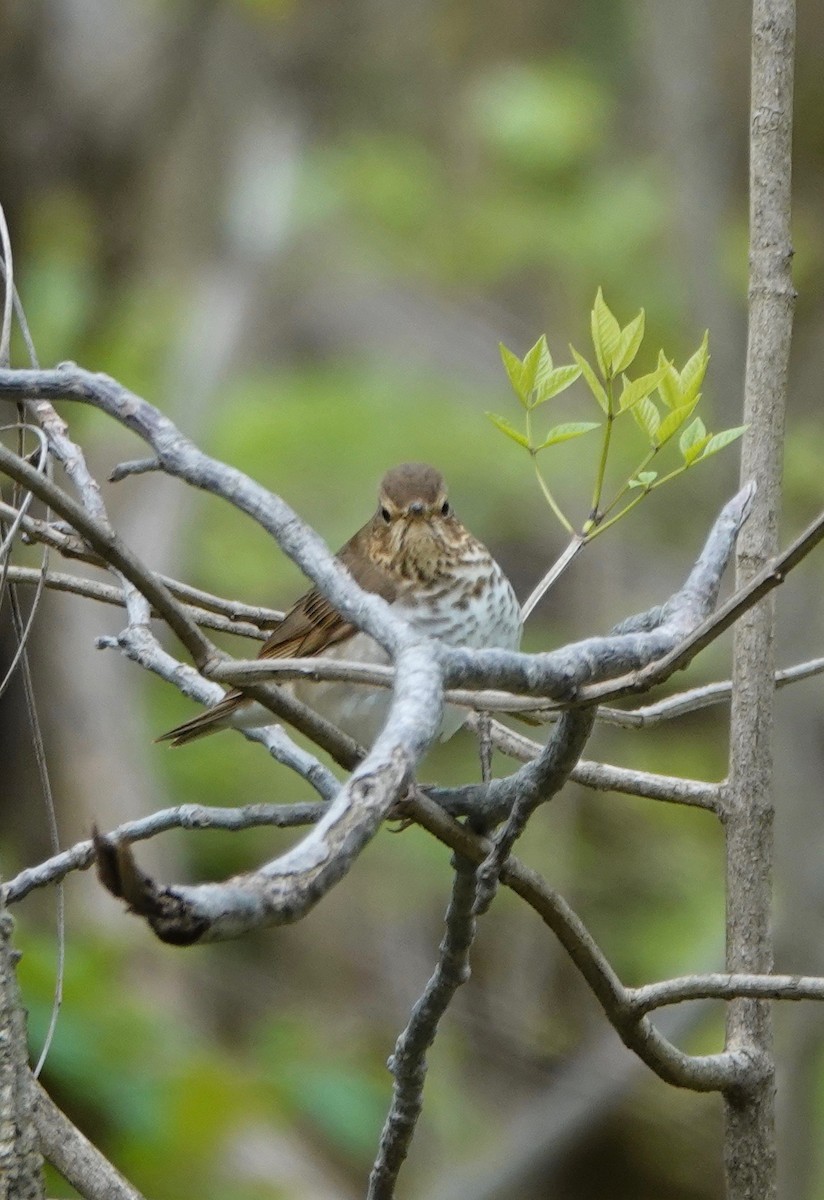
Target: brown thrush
x,y
417,555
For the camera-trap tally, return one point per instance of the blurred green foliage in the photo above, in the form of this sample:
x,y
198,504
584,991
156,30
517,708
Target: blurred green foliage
x,y
509,185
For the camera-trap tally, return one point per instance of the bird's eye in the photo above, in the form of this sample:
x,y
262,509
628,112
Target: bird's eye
x,y
445,509
386,514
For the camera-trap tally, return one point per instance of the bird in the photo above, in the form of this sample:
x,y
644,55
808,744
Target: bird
x,y
415,553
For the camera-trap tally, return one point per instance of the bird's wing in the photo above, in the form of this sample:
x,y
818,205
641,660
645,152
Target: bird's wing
x,y
313,624
310,626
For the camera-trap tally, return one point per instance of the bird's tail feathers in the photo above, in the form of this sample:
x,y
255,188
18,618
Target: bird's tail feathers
x,y
210,721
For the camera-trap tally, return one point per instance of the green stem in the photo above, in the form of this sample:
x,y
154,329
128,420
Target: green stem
x,y
602,465
598,529
635,500
642,466
548,496
550,499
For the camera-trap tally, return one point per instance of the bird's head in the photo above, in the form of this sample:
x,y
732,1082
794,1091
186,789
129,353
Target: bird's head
x,y
413,528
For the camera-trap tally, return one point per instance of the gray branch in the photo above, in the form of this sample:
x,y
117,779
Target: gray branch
x,y
539,781
704,1073
74,1156
408,1063
601,777
184,816
720,986
107,593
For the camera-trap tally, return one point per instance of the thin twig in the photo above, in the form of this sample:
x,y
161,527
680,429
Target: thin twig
x,y
107,593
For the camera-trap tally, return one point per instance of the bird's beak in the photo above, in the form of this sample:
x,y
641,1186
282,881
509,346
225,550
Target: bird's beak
x,y
416,509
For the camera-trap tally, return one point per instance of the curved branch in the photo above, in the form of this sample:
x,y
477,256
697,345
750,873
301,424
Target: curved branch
x,y
705,1073
184,816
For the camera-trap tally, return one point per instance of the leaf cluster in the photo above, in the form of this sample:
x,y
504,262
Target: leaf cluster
x,y
662,402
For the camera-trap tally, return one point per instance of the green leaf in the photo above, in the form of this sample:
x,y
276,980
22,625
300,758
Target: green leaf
x,y
673,421
593,383
509,430
719,440
628,344
563,433
515,372
669,389
531,364
606,333
695,452
637,389
646,414
693,440
545,369
557,380
643,479
694,371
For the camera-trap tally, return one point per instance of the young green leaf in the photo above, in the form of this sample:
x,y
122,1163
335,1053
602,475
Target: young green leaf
x,y
532,362
628,344
693,440
563,433
593,383
646,414
509,430
545,369
669,388
557,380
694,371
606,333
515,373
673,421
643,479
719,440
637,389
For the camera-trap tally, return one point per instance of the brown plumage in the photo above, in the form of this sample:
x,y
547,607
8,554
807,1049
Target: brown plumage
x,y
410,552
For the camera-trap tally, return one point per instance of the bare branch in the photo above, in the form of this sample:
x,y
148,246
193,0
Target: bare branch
x,y
707,1073
601,777
181,458
539,781
105,541
742,600
184,816
720,986
107,593
408,1063
70,546
74,1156
696,698
137,466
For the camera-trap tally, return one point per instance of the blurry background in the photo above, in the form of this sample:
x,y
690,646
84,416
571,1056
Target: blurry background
x,y
301,228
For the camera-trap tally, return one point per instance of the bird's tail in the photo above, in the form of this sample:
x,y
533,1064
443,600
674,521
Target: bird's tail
x,y
210,721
